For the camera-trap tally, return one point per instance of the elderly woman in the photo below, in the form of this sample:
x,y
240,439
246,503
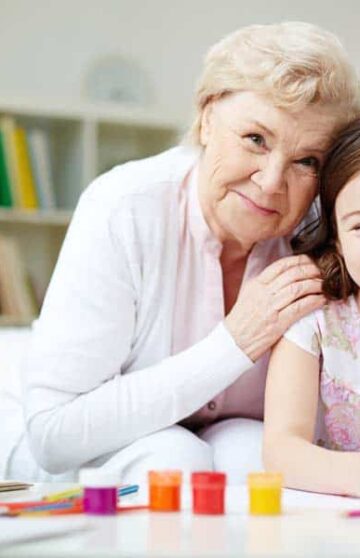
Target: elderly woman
x,y
176,276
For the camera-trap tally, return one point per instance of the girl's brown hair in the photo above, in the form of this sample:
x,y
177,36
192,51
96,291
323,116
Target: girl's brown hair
x,y
342,163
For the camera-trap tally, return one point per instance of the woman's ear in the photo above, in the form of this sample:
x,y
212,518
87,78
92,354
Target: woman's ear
x,y
206,123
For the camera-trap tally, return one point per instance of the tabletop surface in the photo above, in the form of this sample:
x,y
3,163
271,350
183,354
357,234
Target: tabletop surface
x,y
311,525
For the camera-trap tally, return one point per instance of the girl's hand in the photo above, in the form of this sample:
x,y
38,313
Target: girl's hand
x,y
270,303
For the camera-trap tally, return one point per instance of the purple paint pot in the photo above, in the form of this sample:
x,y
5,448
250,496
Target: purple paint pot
x,y
100,491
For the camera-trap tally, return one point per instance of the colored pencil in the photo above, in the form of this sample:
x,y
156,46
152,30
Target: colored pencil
x,y
131,489
65,495
77,492
58,508
19,506
40,512
75,509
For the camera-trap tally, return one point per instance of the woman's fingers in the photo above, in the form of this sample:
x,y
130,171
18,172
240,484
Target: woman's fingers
x,y
300,308
290,293
294,275
284,269
269,304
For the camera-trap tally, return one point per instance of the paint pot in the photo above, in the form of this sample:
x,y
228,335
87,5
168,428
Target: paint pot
x,y
100,491
208,489
265,493
165,490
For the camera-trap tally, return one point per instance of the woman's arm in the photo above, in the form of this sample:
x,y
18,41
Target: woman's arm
x,y
291,402
80,402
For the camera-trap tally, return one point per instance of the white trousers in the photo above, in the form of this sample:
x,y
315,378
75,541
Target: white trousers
x,y
232,446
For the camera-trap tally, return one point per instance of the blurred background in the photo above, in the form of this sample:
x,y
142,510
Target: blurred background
x,y
87,85
46,46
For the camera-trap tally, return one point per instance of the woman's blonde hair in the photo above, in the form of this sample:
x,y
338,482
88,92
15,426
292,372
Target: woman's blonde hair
x,y
293,63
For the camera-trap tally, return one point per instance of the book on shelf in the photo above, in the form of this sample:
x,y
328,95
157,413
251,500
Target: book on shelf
x,y
17,298
7,126
39,149
18,164
6,199
26,184
26,180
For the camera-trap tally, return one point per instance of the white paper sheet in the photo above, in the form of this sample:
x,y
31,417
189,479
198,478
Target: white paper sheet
x,y
237,501
302,499
14,530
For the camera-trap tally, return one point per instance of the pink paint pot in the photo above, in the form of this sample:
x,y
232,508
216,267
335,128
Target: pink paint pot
x,y
100,491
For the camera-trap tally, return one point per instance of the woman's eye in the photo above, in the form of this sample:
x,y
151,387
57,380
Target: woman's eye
x,y
256,139
310,162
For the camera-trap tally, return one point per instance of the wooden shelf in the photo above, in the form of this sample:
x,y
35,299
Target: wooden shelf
x,y
9,321
55,217
106,112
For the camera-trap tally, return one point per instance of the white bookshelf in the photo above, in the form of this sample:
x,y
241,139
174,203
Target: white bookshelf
x,y
85,140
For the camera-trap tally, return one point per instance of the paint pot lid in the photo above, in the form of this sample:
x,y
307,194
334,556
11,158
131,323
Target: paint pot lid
x,y
92,477
165,477
208,478
265,479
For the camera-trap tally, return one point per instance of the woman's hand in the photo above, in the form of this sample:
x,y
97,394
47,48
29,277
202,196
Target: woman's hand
x,y
270,303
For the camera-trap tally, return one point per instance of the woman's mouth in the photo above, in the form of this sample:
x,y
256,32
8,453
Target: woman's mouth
x,y
250,204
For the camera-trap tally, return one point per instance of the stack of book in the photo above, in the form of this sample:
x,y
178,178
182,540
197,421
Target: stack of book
x,y
25,167
18,304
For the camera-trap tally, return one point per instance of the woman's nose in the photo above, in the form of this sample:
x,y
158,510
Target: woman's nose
x,y
271,178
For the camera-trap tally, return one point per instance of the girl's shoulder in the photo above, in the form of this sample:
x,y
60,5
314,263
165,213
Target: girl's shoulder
x,y
340,326
305,333
335,326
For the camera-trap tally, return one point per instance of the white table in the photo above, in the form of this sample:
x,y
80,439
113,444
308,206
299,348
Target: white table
x,y
311,526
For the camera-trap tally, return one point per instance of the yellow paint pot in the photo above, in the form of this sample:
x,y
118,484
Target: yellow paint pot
x,y
265,493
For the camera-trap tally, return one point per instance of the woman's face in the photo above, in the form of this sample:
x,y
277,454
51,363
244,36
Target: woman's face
x,y
259,169
347,213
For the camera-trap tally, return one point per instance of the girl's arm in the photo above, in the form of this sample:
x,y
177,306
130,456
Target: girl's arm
x,y
291,401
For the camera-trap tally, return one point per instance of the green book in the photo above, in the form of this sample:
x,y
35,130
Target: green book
x,y
5,187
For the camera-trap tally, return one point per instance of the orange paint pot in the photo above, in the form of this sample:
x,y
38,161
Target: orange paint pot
x,y
165,490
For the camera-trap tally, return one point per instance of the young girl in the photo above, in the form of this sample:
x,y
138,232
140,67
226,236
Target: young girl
x,y
312,405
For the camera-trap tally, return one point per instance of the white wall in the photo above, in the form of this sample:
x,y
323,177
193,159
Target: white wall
x,y
46,46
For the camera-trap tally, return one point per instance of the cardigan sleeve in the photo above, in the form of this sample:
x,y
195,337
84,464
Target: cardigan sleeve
x,y
79,403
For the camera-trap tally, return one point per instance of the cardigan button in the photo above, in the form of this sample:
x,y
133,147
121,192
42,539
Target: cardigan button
x,y
212,405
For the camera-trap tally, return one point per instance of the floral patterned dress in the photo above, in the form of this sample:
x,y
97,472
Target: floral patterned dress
x,y
333,335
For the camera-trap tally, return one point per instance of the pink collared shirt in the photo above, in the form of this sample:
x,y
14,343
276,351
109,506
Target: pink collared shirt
x,y
199,304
